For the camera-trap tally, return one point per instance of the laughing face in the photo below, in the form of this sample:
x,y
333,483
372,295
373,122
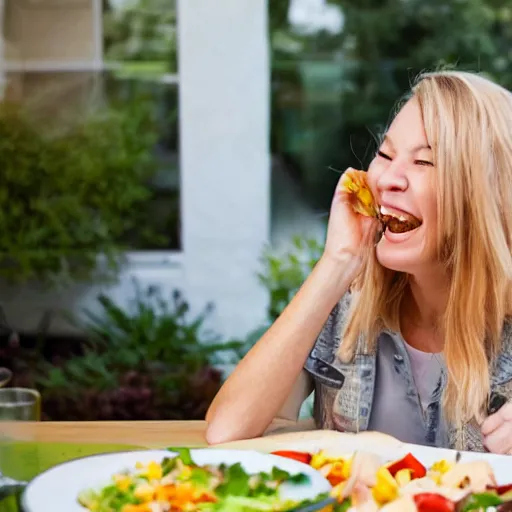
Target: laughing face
x,y
401,177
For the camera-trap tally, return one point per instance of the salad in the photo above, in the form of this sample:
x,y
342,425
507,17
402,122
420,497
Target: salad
x,y
178,484
363,483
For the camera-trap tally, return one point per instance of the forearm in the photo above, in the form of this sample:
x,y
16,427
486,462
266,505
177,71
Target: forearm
x,y
259,386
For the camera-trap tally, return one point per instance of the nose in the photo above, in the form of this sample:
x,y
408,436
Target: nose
x,y
393,178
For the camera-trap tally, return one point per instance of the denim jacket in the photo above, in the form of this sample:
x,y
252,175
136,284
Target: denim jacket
x,y
344,391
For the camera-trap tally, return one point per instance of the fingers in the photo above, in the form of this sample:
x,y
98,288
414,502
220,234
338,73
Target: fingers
x,y
494,421
497,431
500,440
341,194
491,424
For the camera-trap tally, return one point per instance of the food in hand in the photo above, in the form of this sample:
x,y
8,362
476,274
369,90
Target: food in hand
x,y
363,483
362,200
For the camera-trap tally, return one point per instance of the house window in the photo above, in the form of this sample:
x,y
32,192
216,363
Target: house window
x,y
140,55
67,56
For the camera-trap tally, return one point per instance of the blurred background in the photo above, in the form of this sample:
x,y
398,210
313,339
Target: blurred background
x,y
167,168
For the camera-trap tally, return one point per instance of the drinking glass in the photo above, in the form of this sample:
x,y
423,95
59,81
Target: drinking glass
x,y
5,376
16,404
20,404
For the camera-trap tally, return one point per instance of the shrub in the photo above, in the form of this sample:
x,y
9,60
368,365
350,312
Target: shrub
x,y
71,191
150,361
284,273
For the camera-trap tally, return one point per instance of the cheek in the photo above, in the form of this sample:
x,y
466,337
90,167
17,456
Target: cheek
x,y
374,170
428,200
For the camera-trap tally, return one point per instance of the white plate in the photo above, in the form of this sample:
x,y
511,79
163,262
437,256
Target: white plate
x,y
346,444
57,489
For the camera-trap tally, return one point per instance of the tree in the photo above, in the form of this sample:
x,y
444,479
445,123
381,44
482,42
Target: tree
x,y
141,30
384,45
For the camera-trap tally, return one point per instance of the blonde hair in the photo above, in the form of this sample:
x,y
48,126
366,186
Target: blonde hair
x,y
468,122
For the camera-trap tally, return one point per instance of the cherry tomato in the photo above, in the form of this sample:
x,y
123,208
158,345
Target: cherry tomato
x,y
430,502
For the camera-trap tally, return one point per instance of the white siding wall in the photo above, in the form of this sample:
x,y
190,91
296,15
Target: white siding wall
x,y
225,160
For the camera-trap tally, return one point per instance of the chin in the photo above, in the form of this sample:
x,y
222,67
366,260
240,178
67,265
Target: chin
x,y
398,257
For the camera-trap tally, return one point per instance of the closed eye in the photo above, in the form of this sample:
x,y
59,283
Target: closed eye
x,y
383,155
424,162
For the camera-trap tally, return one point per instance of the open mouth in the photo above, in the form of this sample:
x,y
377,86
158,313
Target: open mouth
x,y
398,223
362,200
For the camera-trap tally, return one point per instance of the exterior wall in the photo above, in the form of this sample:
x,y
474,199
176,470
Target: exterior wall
x,y
47,31
225,160
225,156
26,306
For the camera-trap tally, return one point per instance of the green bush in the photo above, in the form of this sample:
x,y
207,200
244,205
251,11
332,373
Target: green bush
x,y
70,193
149,361
284,273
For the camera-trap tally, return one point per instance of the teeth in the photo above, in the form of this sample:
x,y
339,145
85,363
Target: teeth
x,y
385,211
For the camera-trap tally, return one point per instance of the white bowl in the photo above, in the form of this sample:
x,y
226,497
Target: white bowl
x,y
58,488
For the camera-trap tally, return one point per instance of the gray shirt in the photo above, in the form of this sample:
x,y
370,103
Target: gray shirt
x,y
377,391
405,387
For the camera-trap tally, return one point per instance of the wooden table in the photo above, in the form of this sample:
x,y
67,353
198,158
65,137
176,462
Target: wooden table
x,y
139,433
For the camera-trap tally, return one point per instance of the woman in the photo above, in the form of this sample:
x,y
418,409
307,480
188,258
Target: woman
x,y
411,335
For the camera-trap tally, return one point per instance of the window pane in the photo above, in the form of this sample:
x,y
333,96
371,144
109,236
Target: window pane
x,y
141,35
140,51
75,93
162,212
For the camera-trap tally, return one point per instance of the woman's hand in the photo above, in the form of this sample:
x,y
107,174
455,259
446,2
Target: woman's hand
x,y
348,233
497,430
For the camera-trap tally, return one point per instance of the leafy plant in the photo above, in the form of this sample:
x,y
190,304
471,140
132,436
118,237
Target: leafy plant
x,y
71,191
148,362
284,273
142,31
362,67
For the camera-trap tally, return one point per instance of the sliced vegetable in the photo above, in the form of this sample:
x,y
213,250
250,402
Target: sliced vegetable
x,y
303,457
403,477
386,488
502,489
183,454
431,502
408,462
337,473
479,502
